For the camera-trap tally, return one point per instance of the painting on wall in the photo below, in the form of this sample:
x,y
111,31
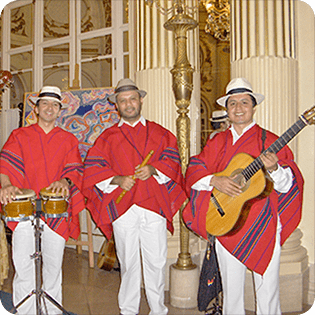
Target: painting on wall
x,y
88,114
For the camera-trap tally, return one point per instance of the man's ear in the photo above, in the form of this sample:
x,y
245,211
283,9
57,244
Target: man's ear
x,y
36,109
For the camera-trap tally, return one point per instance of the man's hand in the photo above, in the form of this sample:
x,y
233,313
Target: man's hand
x,y
145,172
8,191
8,194
127,182
60,186
270,161
226,185
124,182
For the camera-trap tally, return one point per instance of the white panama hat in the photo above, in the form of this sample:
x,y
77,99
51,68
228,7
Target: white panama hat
x,y
219,116
239,86
123,86
51,93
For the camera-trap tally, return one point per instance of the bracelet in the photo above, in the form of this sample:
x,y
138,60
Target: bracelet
x,y
68,181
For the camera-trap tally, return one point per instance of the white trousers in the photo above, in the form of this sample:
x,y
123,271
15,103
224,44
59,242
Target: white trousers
x,y
52,248
141,232
233,282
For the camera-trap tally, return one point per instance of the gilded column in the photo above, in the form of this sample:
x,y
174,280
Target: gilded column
x,y
184,273
263,50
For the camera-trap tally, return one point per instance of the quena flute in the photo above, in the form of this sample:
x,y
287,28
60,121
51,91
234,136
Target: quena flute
x,y
144,162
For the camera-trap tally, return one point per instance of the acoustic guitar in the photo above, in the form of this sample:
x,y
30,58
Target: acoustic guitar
x,y
226,215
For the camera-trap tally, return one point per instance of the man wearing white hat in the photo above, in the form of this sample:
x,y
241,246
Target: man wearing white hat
x,y
40,156
219,122
256,244
152,194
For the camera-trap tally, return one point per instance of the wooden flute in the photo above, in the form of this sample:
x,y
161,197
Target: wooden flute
x,y
144,162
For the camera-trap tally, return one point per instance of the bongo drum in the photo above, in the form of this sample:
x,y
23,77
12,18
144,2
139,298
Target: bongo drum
x,y
20,209
54,205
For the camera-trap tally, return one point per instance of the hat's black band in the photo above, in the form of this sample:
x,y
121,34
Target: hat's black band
x,y
239,90
50,95
126,88
219,118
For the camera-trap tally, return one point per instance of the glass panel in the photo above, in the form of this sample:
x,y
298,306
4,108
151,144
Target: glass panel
x,y
95,15
57,76
56,54
126,11
126,66
22,26
126,42
98,46
96,73
56,19
21,61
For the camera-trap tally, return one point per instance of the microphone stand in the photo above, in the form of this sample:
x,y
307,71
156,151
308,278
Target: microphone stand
x,y
40,293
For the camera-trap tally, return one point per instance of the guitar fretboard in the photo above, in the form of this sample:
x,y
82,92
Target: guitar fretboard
x,y
257,164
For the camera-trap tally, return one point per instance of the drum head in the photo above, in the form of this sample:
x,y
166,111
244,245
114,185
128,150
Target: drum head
x,y
48,193
26,193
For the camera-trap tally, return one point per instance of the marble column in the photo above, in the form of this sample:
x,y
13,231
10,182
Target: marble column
x,y
263,50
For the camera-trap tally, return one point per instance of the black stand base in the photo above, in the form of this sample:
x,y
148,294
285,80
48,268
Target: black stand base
x,y
40,294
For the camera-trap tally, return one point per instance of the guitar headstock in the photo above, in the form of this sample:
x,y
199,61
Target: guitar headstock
x,y
309,116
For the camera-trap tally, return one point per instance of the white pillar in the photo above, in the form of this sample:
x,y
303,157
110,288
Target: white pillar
x,y
263,49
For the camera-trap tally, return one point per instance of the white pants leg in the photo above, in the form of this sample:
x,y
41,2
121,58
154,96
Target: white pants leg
x,y
23,246
267,287
141,229
233,282
126,233
153,240
52,251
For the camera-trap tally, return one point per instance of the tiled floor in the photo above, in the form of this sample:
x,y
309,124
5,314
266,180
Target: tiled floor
x,y
93,291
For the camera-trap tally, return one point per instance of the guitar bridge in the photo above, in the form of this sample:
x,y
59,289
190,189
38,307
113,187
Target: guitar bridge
x,y
217,205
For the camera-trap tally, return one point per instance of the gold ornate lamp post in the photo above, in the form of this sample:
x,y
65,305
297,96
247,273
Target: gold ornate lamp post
x,y
182,75
183,274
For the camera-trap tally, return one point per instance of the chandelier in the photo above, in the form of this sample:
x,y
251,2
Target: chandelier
x,y
218,20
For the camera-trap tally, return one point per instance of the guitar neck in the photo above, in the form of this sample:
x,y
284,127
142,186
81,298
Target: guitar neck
x,y
257,164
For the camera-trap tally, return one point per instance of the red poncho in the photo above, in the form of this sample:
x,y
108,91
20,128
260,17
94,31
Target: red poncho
x,y
253,244
117,151
33,159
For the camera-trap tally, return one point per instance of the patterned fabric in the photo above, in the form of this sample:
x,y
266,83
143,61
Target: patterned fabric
x,y
88,114
253,243
33,159
117,151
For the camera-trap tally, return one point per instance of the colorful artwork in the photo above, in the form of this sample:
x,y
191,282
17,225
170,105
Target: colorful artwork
x,y
88,114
